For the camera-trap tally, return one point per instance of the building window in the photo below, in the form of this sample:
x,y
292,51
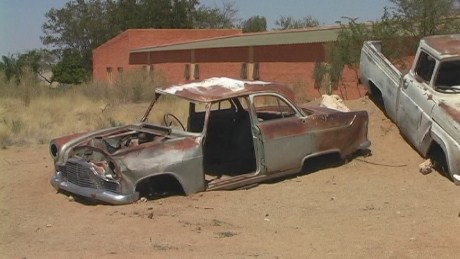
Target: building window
x,y
120,70
255,72
196,72
244,71
109,74
187,72
250,71
192,71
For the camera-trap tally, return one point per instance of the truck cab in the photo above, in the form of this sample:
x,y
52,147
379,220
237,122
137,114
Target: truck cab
x,y
425,101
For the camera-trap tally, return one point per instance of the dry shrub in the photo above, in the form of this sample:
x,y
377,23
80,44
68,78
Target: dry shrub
x,y
27,89
50,113
175,105
5,135
137,85
300,89
93,91
7,88
131,86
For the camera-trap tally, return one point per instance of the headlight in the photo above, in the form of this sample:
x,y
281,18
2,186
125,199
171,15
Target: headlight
x,y
113,171
54,150
105,170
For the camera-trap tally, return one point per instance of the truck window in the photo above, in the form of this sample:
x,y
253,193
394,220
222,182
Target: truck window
x,y
448,75
425,67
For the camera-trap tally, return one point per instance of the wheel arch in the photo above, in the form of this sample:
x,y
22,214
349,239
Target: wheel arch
x,y
165,181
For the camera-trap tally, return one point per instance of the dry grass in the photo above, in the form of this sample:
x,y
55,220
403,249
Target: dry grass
x,y
34,114
45,118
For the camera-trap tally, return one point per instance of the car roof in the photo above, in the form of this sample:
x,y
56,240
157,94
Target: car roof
x,y
220,88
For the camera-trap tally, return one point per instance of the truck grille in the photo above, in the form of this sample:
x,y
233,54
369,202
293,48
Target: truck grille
x,y
79,173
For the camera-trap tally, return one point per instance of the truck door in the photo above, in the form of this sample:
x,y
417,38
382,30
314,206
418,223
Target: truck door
x,y
415,104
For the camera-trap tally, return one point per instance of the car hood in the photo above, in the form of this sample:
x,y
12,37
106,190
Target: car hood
x,y
119,141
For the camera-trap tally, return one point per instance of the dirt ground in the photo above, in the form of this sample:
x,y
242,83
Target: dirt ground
x,y
372,207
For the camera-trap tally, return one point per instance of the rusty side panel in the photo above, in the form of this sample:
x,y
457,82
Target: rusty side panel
x,y
297,138
294,126
181,157
346,138
454,113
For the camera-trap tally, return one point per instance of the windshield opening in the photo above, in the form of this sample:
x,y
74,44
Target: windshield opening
x,y
171,111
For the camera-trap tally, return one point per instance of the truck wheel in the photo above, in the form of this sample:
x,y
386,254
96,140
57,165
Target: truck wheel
x,y
436,154
376,96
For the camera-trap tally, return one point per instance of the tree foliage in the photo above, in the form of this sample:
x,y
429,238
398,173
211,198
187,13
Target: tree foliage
x,y
405,22
9,66
69,70
420,18
36,61
82,25
255,24
216,18
288,22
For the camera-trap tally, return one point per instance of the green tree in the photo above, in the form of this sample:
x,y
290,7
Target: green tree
x,y
420,18
288,22
218,18
69,70
36,61
255,24
9,66
80,26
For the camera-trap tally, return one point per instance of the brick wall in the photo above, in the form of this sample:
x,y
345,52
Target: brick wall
x,y
114,54
298,72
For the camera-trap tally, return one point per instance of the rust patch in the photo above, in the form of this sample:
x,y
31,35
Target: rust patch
x,y
445,44
59,142
211,93
454,113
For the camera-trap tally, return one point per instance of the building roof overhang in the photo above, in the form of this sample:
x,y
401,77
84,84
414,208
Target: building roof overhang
x,y
248,42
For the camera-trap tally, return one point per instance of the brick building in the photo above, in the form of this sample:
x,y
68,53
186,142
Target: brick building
x,y
112,58
182,55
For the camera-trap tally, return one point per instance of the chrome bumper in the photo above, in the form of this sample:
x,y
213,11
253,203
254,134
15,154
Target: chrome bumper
x,y
59,183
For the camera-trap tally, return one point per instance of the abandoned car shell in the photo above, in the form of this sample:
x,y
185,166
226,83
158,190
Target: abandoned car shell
x,y
224,134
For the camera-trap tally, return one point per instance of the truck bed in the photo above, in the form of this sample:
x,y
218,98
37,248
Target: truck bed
x,y
376,71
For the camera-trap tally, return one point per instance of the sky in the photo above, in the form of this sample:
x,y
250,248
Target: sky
x,y
21,20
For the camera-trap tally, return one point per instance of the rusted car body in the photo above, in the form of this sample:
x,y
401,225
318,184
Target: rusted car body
x,y
219,134
425,101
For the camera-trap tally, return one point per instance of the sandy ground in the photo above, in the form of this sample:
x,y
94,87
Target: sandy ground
x,y
372,207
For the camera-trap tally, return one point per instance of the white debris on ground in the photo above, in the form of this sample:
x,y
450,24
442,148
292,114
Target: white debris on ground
x,y
426,167
334,102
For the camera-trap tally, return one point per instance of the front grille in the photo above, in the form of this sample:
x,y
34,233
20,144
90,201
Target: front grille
x,y
80,173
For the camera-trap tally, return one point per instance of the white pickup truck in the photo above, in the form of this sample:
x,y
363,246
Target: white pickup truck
x,y
425,101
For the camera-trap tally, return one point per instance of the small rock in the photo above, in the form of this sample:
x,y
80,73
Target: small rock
x,y
334,102
426,167
71,198
143,199
48,225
